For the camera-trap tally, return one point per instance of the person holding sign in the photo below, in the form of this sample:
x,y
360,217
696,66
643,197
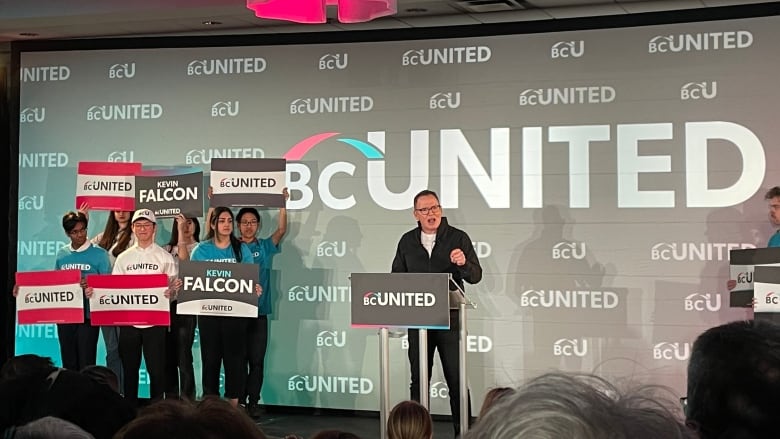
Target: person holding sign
x,y
263,251
78,341
436,247
223,339
145,257
115,238
184,238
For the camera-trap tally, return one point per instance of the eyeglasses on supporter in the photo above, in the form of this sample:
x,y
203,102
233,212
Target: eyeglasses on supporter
x,y
427,210
143,226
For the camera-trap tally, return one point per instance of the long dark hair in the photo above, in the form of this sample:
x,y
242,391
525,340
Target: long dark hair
x,y
175,232
234,242
112,232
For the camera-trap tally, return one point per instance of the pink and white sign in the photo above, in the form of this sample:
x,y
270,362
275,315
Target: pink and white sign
x,y
107,185
129,299
49,297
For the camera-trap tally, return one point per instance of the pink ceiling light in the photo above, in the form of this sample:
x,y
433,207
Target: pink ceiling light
x,y
313,11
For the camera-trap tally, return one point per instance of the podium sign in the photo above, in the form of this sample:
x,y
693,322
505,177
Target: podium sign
x,y
409,300
741,269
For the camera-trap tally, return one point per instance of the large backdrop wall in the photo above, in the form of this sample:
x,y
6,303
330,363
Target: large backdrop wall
x,y
603,175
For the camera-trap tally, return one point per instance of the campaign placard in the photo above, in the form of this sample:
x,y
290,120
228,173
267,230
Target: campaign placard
x,y
248,182
129,299
218,289
107,185
49,297
169,192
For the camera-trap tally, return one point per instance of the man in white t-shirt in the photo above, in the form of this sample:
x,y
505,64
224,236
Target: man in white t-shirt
x,y
145,257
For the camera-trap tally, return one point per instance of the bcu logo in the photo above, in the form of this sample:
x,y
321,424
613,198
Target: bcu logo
x,y
331,339
745,277
125,156
333,104
474,343
319,293
566,49
771,298
31,202
448,55
672,351
330,249
124,112
568,95
702,302
333,61
569,250
700,42
121,71
225,66
330,384
224,109
204,156
567,347
444,100
569,299
32,115
699,90
695,251
439,390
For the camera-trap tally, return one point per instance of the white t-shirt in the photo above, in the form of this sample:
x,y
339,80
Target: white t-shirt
x,y
150,260
428,241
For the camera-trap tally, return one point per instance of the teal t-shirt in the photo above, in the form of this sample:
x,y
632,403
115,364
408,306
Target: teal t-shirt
x,y
92,260
774,241
263,251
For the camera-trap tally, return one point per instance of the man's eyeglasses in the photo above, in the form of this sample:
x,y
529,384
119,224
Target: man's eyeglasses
x,y
76,232
248,223
143,226
427,210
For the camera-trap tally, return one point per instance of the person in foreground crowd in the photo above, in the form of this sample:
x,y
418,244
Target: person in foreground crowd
x,y
263,251
436,247
180,374
223,339
409,420
211,418
492,397
559,405
48,427
734,381
145,257
31,388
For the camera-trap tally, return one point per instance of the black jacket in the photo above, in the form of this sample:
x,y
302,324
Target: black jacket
x,y
412,257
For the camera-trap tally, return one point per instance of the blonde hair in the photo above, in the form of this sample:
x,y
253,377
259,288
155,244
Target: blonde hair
x,y
409,420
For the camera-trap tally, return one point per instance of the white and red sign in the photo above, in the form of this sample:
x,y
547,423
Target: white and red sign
x,y
107,185
49,297
129,299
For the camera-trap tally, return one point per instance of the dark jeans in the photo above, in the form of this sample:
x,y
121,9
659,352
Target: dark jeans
x,y
256,347
78,344
446,341
152,341
113,361
179,373
223,339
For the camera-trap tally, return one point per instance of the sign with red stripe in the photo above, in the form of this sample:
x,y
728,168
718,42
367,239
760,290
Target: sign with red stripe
x,y
49,297
129,299
107,185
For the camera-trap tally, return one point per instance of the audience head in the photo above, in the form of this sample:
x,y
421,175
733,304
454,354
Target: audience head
x,y
492,396
27,364
211,418
103,375
558,405
50,427
409,420
334,434
734,381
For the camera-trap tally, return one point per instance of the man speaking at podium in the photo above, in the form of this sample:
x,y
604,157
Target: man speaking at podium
x,y
436,247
